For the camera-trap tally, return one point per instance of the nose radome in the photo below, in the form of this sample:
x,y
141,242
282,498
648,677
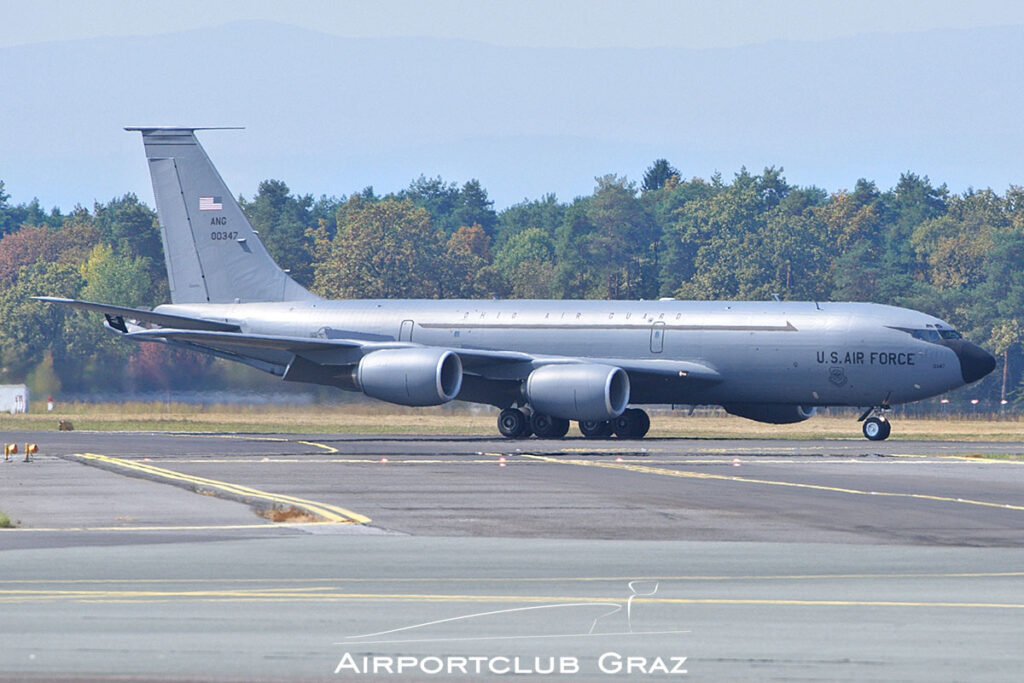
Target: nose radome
x,y
975,362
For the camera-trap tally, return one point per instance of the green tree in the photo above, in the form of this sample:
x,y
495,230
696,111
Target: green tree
x,y
527,265
133,230
668,208
30,328
658,174
545,214
13,217
612,250
474,208
385,249
130,227
439,198
6,219
92,355
282,220
575,275
722,244
468,271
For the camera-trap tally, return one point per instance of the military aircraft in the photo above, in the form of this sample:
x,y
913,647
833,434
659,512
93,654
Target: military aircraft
x,y
543,363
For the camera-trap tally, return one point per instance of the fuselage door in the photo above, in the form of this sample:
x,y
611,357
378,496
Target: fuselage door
x,y
658,337
405,333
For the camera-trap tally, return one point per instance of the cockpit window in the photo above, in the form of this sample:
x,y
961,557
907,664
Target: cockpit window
x,y
931,335
927,335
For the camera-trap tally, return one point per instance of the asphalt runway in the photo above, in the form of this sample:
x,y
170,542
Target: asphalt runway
x,y
141,555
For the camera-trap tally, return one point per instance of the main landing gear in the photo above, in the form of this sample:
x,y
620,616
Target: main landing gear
x,y
514,423
876,427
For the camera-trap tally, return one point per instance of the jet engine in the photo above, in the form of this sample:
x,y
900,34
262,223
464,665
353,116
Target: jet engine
x,y
774,413
411,376
580,391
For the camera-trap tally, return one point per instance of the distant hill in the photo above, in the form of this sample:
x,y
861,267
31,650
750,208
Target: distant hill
x,y
332,115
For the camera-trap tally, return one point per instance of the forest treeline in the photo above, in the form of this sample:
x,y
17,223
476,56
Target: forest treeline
x,y
754,237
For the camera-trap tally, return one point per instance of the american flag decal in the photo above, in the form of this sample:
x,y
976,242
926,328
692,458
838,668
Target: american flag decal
x,y
210,203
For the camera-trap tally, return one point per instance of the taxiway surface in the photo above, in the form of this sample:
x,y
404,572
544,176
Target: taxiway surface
x,y
140,554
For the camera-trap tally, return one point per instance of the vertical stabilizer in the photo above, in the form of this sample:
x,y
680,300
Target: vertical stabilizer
x,y
213,255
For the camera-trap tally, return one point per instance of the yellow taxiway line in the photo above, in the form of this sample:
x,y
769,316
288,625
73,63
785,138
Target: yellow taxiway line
x,y
329,449
325,594
686,474
802,578
331,513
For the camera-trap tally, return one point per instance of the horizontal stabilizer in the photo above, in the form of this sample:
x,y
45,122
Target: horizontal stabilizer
x,y
175,321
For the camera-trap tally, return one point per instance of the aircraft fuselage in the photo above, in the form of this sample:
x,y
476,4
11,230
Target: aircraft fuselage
x,y
806,353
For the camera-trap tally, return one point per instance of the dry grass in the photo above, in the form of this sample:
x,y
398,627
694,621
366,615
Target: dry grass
x,y
826,427
379,418
5,522
291,514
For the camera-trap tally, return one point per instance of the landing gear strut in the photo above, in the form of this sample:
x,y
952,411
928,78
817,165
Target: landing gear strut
x,y
876,427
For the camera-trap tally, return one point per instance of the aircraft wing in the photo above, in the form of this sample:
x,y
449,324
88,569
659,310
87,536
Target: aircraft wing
x,y
664,369
488,363
142,315
325,351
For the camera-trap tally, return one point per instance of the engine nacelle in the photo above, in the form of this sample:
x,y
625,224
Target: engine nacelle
x,y
411,377
578,391
774,413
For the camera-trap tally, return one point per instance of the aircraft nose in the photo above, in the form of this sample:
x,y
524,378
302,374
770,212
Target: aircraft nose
x,y
975,362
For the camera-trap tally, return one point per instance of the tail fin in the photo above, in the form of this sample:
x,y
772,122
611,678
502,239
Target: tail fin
x,y
213,255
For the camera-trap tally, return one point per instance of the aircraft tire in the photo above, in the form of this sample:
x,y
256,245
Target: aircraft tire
x,y
596,429
547,427
876,428
643,424
632,424
512,424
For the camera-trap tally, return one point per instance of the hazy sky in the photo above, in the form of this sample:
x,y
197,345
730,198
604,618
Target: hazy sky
x,y
566,23
926,91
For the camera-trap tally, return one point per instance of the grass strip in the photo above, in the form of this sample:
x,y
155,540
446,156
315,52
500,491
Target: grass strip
x,y
377,418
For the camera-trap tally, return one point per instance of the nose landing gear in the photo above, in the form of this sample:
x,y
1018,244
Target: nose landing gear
x,y
876,427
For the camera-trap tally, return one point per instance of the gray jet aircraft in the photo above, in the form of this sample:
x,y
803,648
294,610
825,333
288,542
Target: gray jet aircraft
x,y
543,363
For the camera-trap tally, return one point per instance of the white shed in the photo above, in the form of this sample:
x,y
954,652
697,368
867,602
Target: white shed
x,y
13,398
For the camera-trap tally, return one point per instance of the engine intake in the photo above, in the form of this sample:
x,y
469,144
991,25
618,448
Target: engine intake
x,y
773,413
411,376
580,391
